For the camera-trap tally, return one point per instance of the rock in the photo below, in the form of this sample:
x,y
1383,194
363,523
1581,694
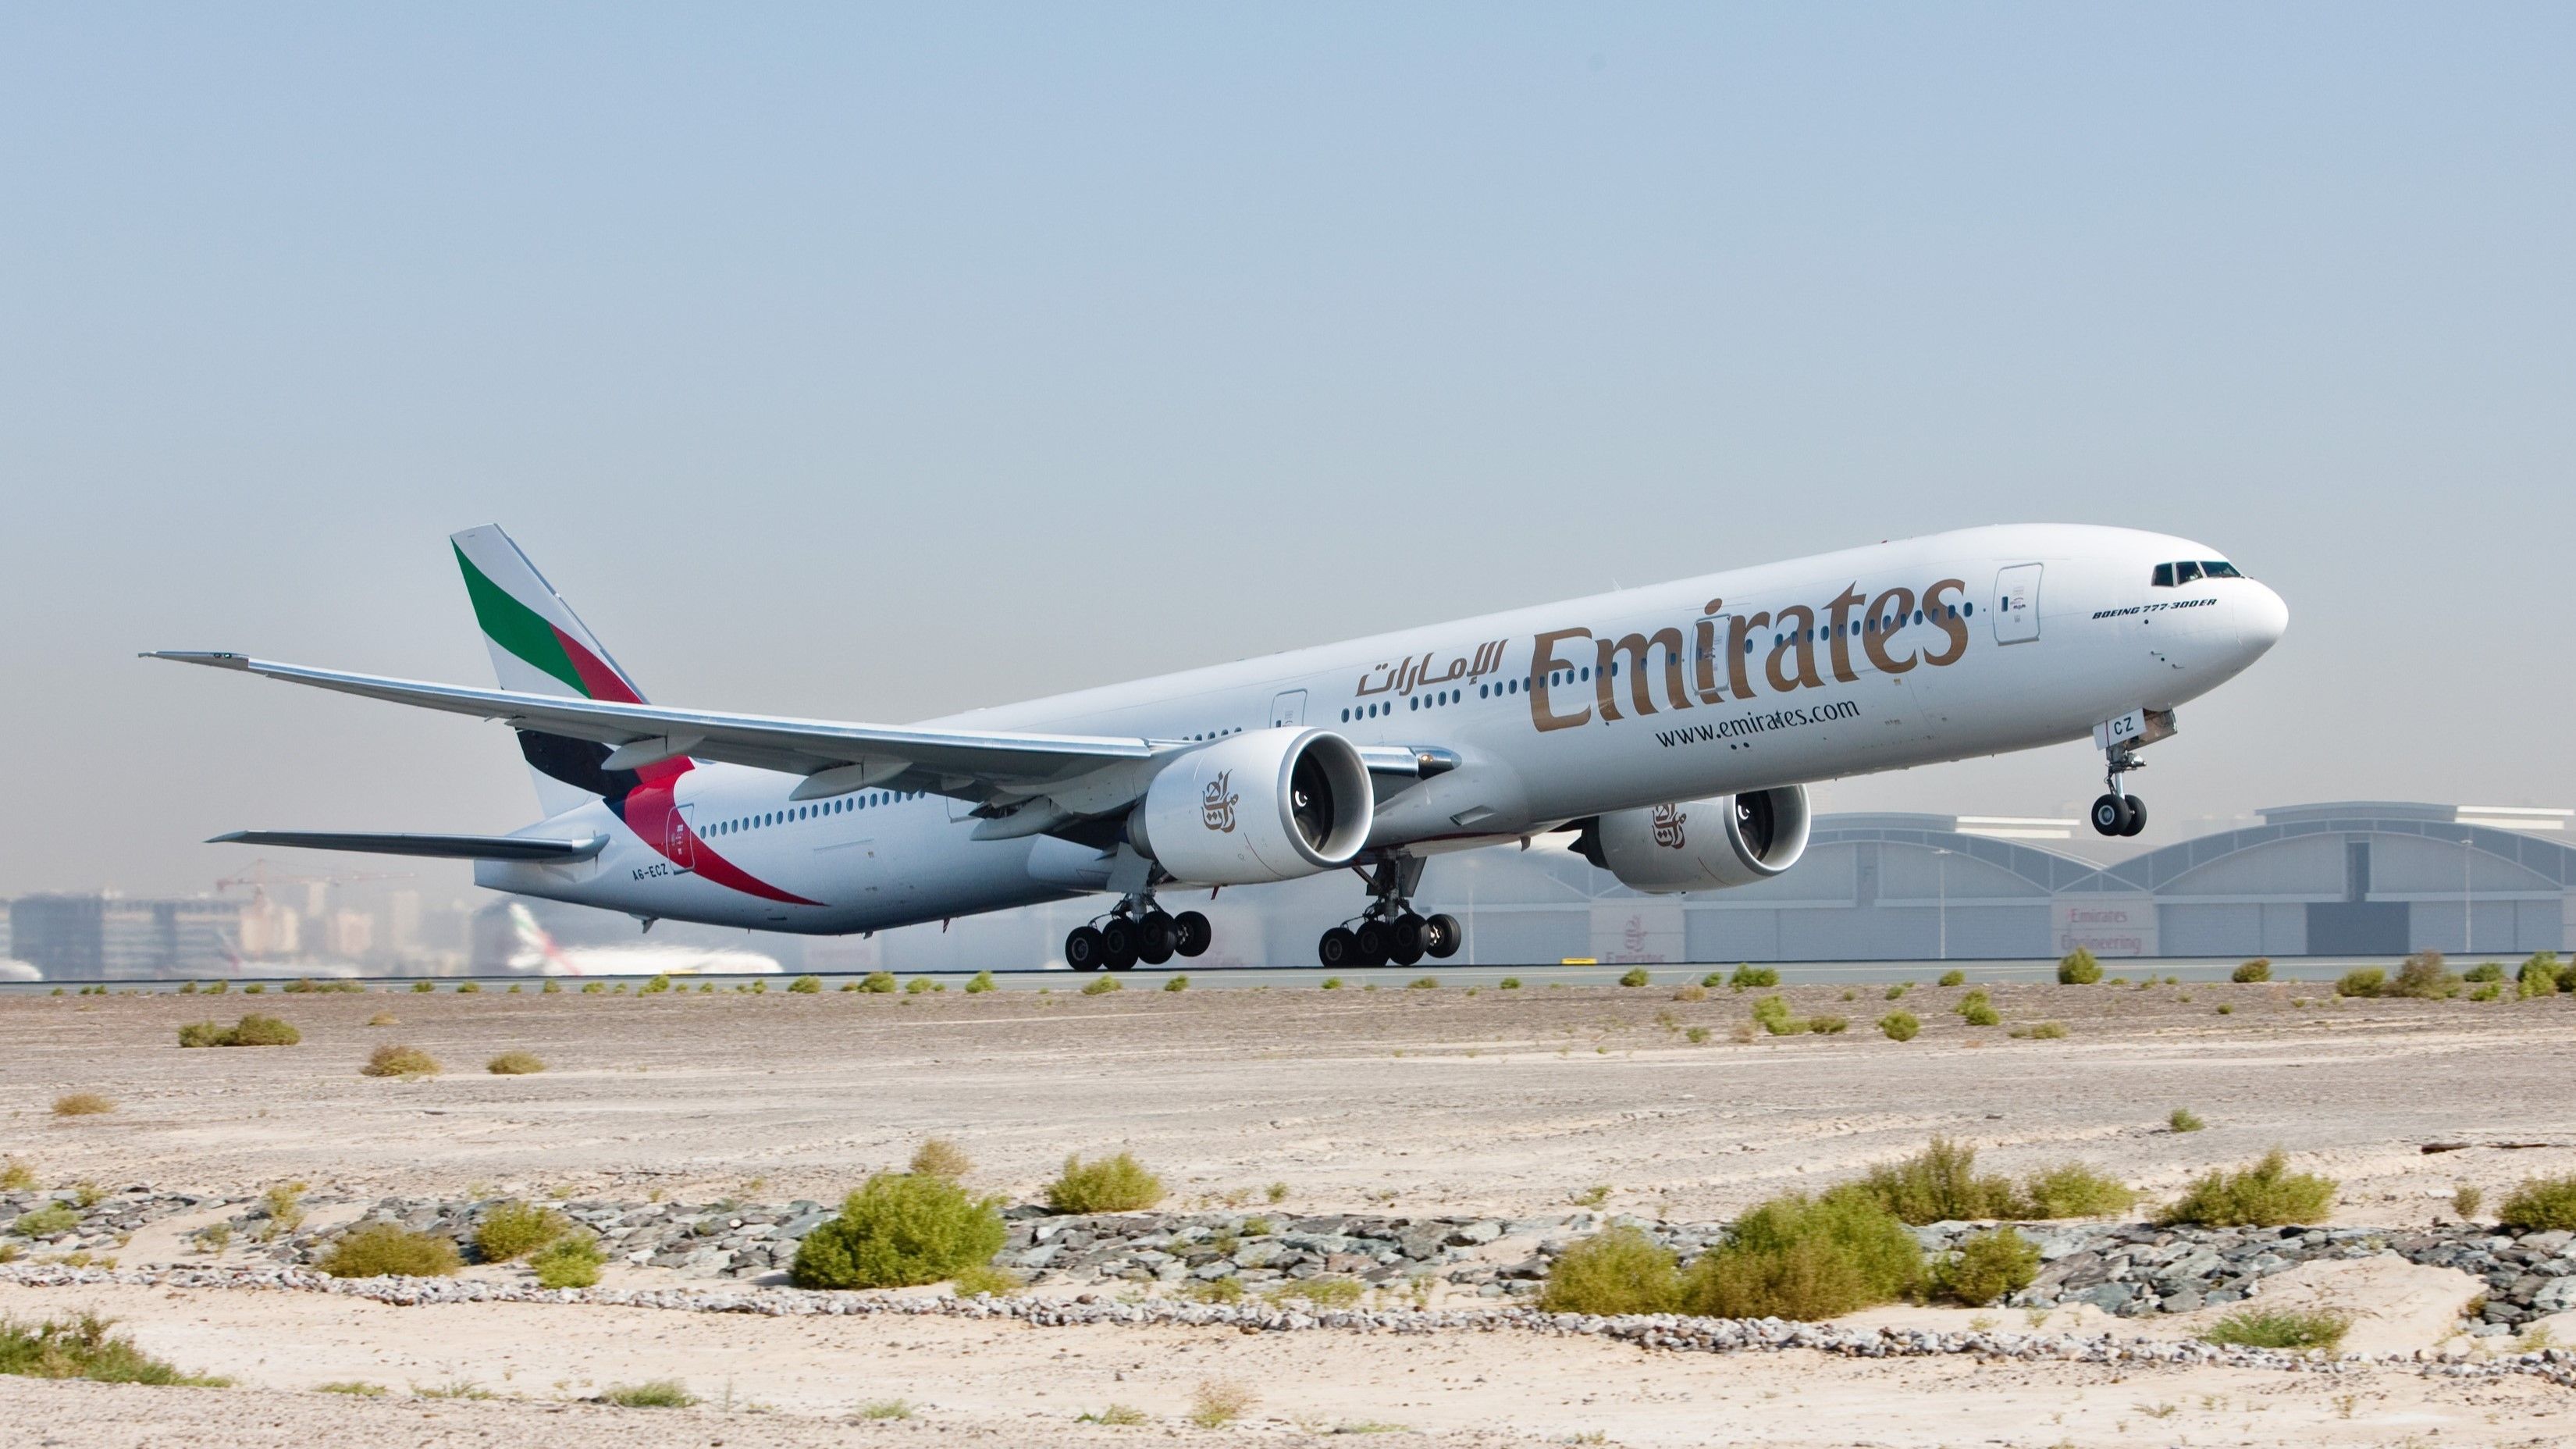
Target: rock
x,y
1475,1234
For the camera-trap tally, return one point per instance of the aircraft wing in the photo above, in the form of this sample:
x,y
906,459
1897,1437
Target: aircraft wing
x,y
836,757
444,847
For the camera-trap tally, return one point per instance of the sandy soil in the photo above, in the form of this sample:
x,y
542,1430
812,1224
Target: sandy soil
x,y
1394,1099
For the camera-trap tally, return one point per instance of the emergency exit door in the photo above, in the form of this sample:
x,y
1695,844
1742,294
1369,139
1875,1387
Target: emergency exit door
x,y
2017,604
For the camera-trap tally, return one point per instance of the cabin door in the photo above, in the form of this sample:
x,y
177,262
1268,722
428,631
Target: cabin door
x,y
2017,604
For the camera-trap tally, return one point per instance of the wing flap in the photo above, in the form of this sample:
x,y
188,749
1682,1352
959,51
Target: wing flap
x,y
445,847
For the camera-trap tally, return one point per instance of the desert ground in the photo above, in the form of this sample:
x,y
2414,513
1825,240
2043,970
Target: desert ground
x,y
1388,1101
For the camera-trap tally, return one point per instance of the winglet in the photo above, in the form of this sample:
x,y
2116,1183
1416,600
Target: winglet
x,y
218,658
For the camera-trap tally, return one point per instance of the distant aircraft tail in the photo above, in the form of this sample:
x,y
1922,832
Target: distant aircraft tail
x,y
540,646
537,943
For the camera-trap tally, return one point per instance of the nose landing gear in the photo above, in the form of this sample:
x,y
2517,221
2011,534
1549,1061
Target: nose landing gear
x,y
2119,813
1389,931
1136,930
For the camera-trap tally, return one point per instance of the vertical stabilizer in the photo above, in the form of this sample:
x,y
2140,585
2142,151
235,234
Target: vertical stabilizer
x,y
540,646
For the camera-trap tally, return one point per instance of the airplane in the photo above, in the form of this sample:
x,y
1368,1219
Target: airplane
x,y
1672,730
540,953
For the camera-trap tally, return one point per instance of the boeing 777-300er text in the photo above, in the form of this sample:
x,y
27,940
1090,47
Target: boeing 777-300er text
x,y
1673,729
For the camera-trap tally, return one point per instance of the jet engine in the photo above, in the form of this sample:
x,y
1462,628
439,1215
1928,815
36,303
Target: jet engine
x,y
1263,805
1700,845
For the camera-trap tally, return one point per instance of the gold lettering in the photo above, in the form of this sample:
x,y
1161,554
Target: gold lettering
x,y
1840,622
1946,616
1543,662
1641,684
1739,649
1706,663
1883,623
1800,622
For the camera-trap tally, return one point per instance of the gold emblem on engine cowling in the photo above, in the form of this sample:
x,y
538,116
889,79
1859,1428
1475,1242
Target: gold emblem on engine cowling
x,y
1216,806
1668,826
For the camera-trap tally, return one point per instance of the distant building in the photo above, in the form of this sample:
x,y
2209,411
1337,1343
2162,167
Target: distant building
x,y
107,937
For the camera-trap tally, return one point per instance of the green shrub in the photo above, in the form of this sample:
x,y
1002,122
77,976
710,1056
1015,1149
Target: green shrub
x,y
1980,1014
1216,1403
1324,1292
1102,986
1985,1267
1897,992
514,1229
515,1064
806,985
44,1222
879,982
16,1176
400,1061
83,1348
1423,983
1695,1035
2046,1030
468,988
600,988
2540,1203
2258,969
981,981
1177,983
389,1250
2073,1190
1334,983
1900,1025
552,987
651,1394
2484,971
254,989
2466,1200
1509,983
1952,978
570,1261
2265,1195
306,985
1806,1258
1828,1025
2183,1119
2279,1328
1618,1271
920,984
656,985
1975,998
1690,993
1771,1013
1748,976
2078,968
2538,976
939,1157
2425,978
899,1230
1938,1184
1635,976
1103,1185
1228,1289
252,1030
2487,991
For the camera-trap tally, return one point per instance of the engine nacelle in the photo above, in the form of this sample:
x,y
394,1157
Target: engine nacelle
x,y
1263,805
1701,845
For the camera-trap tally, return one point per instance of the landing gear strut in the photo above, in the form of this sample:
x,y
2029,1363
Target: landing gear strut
x,y
2119,813
1136,930
1389,931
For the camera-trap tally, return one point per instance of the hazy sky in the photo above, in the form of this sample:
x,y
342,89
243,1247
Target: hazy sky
x,y
875,363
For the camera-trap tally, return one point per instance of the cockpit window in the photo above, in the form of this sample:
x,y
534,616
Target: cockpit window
x,y
2173,575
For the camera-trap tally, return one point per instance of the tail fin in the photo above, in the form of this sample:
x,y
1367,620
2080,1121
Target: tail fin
x,y
540,646
536,946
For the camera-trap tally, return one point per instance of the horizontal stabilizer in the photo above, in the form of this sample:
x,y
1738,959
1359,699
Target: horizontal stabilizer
x,y
446,847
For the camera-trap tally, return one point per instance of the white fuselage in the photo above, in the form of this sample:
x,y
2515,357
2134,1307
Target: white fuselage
x,y
1993,639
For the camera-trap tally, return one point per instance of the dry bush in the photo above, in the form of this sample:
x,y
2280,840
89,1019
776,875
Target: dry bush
x,y
571,1261
1822,1025
16,1176
1322,1292
1939,1184
84,1348
651,1394
252,1030
82,1104
2258,969
2046,1030
44,1222
2279,1328
513,1229
805,985
383,1018
400,1061
2425,978
2266,1195
898,1230
1104,1185
1618,1271
983,1280
2484,971
1806,1258
2183,1119
1216,1403
939,1157
1690,993
2466,1200
2540,1203
2078,969
1102,986
2073,1190
515,1064
379,1250
1985,1267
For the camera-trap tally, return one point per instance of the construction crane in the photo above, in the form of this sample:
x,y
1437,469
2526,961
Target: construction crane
x,y
259,878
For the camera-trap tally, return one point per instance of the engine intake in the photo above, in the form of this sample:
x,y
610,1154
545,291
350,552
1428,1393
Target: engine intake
x,y
1263,805
1700,845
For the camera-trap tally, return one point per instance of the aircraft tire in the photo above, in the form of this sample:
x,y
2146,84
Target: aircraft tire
x,y
1191,933
2110,813
1156,938
1407,939
1443,937
1338,948
2137,815
1084,950
1118,944
1372,944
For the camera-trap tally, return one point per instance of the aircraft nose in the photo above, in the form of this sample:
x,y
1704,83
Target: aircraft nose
x,y
2262,617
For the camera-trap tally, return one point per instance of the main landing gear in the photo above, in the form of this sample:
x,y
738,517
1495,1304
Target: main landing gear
x,y
1389,931
2117,813
1136,930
